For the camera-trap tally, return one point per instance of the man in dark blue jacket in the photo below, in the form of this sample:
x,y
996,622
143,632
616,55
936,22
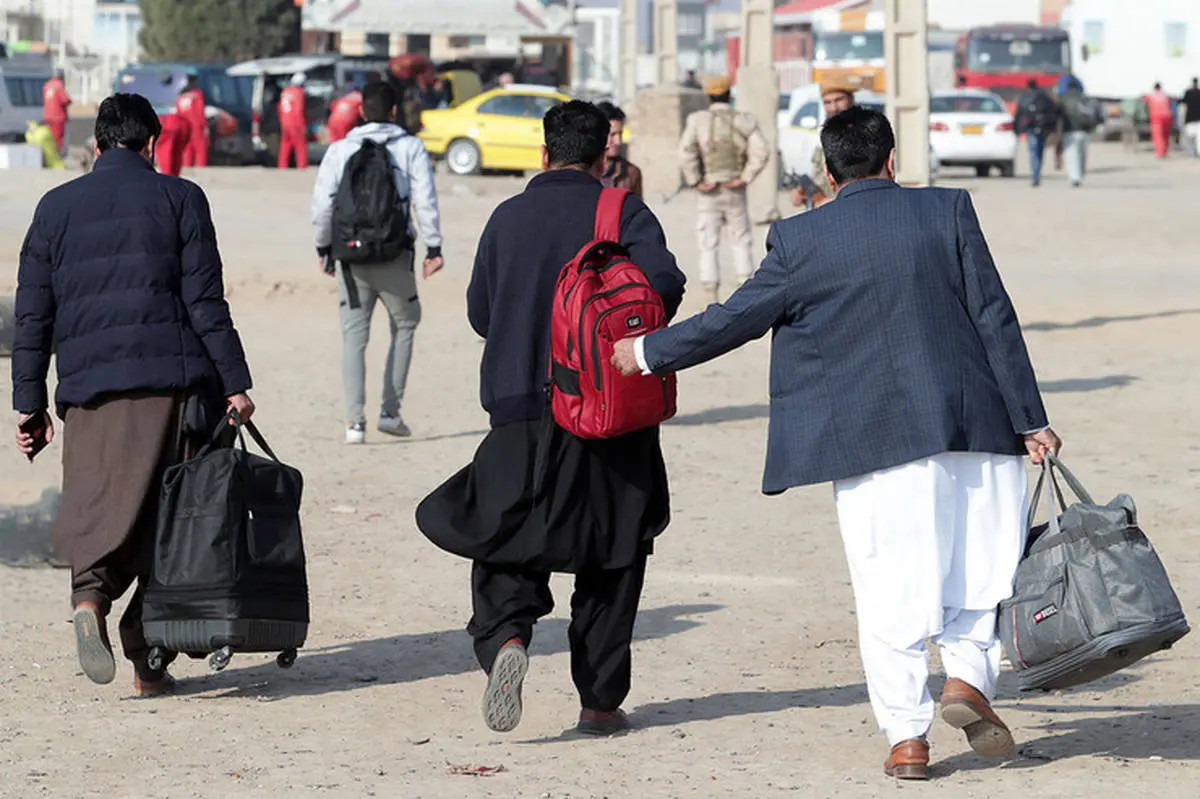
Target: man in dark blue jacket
x,y
536,499
899,373
121,278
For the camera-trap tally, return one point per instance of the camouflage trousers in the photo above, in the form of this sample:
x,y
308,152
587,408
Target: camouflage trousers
x,y
724,208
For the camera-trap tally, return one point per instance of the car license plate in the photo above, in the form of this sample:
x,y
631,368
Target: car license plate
x,y
972,130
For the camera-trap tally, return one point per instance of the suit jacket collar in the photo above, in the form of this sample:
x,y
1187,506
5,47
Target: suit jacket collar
x,y
870,184
120,158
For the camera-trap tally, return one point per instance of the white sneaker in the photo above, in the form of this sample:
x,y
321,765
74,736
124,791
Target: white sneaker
x,y
356,433
394,426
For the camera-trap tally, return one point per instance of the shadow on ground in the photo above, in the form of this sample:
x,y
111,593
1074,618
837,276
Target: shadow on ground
x,y
1080,385
1101,321
405,659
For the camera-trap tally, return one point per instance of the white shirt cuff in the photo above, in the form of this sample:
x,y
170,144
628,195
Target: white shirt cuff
x,y
639,352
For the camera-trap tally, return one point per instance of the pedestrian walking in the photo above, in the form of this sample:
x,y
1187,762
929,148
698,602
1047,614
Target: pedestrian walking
x,y
1162,119
349,209
55,102
293,124
1191,119
120,278
1036,119
618,171
536,499
720,153
191,105
921,425
1080,116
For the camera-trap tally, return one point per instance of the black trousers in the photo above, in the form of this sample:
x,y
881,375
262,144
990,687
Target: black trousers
x,y
508,602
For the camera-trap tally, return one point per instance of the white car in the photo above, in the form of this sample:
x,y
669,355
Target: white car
x,y
969,127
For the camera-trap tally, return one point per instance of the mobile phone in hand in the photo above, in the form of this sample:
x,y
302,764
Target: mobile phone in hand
x,y
35,426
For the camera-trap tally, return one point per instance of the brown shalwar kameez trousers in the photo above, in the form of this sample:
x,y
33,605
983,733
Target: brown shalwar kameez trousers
x,y
114,455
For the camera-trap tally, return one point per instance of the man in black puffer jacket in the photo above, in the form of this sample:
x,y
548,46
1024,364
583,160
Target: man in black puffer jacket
x,y
121,277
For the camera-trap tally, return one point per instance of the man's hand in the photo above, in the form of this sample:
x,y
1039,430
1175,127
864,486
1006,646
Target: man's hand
x,y
799,198
325,267
25,440
736,183
1041,442
706,187
240,404
624,359
433,266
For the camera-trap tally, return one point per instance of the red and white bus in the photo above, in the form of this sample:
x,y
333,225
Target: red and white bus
x,y
1003,58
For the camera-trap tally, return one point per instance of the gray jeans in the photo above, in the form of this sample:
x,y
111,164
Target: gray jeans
x,y
1075,146
395,284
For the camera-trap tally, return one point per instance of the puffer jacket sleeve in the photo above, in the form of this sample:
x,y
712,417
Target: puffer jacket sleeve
x,y
34,310
203,291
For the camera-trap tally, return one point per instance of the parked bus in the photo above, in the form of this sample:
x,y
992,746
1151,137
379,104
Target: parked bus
x,y
848,46
1003,58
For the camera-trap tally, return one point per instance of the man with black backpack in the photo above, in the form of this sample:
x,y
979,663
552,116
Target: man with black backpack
x,y
371,189
1080,116
1037,118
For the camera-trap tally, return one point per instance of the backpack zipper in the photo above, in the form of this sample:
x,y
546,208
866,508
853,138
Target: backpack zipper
x,y
596,338
595,297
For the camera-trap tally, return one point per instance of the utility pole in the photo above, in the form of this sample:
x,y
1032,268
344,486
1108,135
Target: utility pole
x,y
628,41
904,50
758,94
666,42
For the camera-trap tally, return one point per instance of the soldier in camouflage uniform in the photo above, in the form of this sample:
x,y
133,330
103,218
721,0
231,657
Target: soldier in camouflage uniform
x,y
836,97
721,151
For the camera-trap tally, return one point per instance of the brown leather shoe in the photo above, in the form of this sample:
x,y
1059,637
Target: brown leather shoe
x,y
909,760
966,709
599,722
163,684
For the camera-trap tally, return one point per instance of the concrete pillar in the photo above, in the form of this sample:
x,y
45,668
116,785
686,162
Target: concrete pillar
x,y
628,42
656,118
666,42
758,94
904,49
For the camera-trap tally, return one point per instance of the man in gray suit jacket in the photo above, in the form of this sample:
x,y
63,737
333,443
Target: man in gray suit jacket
x,y
899,373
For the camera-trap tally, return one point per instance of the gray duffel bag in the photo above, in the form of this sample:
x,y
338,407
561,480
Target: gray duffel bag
x,y
1091,595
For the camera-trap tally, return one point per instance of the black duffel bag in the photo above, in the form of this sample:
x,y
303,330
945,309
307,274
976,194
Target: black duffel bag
x,y
228,573
1091,594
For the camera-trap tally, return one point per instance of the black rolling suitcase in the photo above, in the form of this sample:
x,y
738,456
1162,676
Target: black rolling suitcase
x,y
229,572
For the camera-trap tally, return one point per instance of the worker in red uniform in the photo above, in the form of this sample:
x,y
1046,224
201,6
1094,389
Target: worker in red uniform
x,y
293,124
1162,119
344,115
54,107
190,106
171,143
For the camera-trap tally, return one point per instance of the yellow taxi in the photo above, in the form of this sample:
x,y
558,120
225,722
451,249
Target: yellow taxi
x,y
498,129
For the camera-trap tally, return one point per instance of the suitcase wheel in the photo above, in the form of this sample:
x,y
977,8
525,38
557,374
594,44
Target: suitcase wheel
x,y
155,658
218,660
286,659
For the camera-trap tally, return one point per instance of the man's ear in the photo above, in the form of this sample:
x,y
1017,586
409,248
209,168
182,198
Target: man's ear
x,y
891,165
833,184
545,158
148,150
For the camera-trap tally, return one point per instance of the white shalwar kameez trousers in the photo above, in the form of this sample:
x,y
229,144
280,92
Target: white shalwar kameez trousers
x,y
933,547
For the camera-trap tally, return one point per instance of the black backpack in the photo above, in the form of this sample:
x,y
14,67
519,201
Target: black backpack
x,y
370,218
1043,113
1081,112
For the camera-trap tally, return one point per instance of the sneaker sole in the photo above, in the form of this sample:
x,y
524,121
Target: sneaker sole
x,y
95,654
984,737
395,433
502,697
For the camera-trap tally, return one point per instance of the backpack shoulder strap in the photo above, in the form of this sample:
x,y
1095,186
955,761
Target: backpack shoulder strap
x,y
608,214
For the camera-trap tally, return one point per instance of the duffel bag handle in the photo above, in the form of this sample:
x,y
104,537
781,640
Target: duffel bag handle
x,y
1050,465
232,418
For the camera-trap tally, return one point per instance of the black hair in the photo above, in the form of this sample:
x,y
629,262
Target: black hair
x,y
1157,86
192,81
726,98
1031,83
126,120
576,134
857,143
611,112
378,101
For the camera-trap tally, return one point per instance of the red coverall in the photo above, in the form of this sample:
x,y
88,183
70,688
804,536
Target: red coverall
x,y
54,109
293,128
190,106
172,143
344,115
1161,121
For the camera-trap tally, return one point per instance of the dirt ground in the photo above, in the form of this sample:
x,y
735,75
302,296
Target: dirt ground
x,y
747,681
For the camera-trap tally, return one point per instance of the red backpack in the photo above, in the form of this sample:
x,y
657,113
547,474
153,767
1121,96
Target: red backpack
x,y
602,296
